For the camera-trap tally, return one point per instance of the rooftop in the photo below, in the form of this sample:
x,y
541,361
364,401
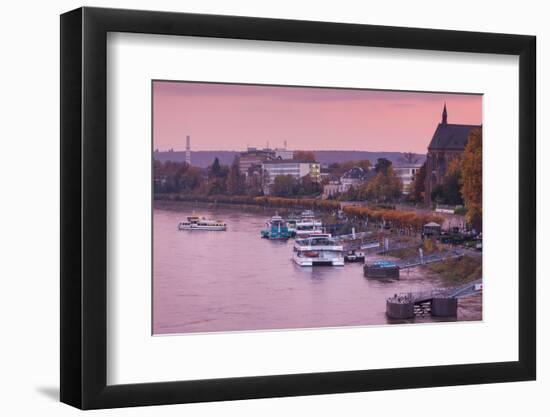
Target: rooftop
x,y
286,162
451,136
355,173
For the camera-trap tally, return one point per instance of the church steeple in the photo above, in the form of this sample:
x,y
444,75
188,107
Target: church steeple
x,y
444,115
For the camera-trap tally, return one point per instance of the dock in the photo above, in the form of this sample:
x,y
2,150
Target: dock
x,y
430,258
441,302
358,241
391,269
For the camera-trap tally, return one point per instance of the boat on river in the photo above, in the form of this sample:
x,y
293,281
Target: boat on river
x,y
308,225
318,250
202,223
354,256
276,229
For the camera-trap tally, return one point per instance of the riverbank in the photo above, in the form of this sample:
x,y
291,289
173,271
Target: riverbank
x,y
453,271
408,221
458,271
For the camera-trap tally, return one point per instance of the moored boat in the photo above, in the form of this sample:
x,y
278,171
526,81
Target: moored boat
x,y
308,225
354,256
202,223
318,250
276,229
381,269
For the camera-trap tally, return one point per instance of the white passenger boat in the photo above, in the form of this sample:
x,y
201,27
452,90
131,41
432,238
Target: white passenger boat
x,y
318,250
308,225
202,223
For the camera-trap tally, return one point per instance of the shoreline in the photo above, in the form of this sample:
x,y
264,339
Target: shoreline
x,y
174,205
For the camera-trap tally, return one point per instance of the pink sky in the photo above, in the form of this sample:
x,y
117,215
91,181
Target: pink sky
x,y
232,117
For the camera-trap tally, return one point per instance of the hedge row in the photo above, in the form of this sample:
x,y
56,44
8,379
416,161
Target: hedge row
x,y
398,218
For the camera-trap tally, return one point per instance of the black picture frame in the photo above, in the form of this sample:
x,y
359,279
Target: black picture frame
x,y
84,207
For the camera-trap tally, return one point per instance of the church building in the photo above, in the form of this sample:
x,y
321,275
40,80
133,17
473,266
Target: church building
x,y
448,143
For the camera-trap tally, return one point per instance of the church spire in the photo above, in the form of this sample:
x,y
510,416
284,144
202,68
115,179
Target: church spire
x,y
444,115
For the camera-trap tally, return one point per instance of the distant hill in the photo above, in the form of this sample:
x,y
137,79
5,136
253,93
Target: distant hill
x,y
198,158
205,158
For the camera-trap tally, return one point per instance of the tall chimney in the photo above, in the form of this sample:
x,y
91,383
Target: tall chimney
x,y
188,150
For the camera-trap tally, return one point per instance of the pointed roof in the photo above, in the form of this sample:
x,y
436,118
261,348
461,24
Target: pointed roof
x,y
451,136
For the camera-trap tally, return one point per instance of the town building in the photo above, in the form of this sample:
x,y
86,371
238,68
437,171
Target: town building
x,y
298,169
355,177
331,187
283,153
407,175
447,144
252,158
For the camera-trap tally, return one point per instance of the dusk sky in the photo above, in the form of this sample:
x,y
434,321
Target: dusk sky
x,y
232,117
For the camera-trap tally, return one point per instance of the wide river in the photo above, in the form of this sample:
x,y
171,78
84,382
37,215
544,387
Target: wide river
x,y
234,280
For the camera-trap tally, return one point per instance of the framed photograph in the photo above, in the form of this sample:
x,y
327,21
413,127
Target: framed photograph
x,y
257,208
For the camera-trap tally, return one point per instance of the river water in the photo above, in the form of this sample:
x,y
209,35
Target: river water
x,y
234,281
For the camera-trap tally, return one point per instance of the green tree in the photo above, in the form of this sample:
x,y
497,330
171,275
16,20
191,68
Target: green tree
x,y
284,186
382,165
451,184
235,181
215,168
438,194
307,186
419,185
472,168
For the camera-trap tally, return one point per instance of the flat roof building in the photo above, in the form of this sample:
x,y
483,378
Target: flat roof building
x,y
297,169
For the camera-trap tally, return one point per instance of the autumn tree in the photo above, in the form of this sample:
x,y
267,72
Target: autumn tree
x,y
363,163
340,168
472,178
191,179
304,156
173,176
385,187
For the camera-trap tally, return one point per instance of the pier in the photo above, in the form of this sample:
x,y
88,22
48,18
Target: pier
x,y
430,258
359,241
441,302
390,269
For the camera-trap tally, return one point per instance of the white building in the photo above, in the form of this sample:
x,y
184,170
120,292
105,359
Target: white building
x,y
283,153
407,174
297,169
355,178
331,189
